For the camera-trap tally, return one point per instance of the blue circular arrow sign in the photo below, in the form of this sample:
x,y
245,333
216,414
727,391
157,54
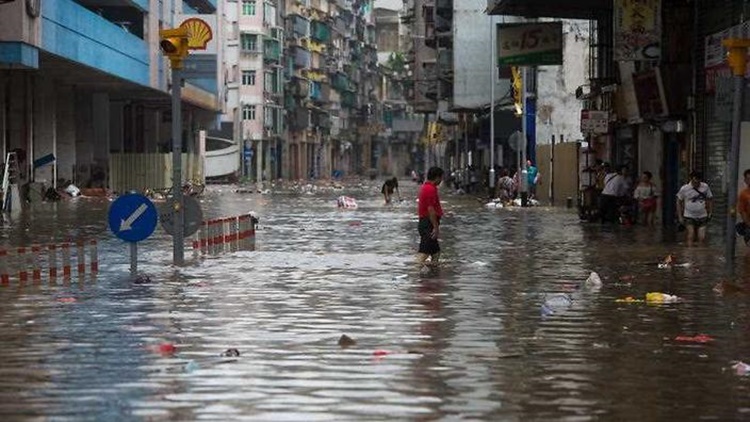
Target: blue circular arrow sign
x,y
132,217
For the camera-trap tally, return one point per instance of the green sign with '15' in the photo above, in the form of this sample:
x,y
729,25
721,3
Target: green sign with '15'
x,y
529,44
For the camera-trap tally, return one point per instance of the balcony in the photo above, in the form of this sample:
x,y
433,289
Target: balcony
x,y
320,32
271,50
301,57
73,32
444,8
299,118
340,82
349,100
299,88
442,24
298,26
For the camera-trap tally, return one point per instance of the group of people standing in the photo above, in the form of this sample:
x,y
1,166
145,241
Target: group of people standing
x,y
625,202
621,200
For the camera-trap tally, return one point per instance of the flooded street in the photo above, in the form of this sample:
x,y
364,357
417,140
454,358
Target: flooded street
x,y
468,342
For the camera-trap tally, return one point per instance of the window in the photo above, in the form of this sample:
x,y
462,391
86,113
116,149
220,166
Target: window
x,y
248,112
249,42
248,77
248,7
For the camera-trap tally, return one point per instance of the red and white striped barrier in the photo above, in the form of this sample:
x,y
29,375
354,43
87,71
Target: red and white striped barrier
x,y
37,260
226,235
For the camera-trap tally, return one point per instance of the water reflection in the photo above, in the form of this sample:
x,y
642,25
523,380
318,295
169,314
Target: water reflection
x,y
466,342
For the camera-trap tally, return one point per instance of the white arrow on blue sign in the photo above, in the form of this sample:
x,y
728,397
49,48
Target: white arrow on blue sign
x,y
132,217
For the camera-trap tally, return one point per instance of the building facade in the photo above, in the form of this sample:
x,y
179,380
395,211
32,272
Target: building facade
x,y
330,95
84,83
666,106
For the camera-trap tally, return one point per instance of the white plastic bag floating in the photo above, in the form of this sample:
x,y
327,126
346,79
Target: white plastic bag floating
x,y
346,202
72,190
593,282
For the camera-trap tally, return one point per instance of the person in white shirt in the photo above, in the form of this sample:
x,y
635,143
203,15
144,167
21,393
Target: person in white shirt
x,y
695,207
615,188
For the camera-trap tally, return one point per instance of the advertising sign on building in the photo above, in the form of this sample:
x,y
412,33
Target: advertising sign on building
x,y
529,44
715,57
637,29
203,33
594,121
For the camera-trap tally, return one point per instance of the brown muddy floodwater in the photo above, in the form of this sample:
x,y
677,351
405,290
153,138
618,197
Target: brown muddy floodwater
x,y
469,342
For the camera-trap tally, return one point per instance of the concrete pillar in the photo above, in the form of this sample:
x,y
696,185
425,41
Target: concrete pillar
x,y
150,131
45,130
116,138
84,138
259,162
4,121
66,133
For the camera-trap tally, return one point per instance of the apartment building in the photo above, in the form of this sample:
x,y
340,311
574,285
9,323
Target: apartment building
x,y
331,76
254,114
84,83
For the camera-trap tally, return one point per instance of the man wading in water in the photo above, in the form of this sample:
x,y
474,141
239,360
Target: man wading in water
x,y
430,212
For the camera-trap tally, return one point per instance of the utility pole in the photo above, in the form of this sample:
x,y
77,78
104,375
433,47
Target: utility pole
x,y
174,44
493,66
737,59
524,177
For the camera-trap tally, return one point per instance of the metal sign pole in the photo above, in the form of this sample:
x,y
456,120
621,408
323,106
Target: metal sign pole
x,y
133,258
178,241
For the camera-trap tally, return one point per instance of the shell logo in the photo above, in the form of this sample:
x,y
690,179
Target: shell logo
x,y
200,33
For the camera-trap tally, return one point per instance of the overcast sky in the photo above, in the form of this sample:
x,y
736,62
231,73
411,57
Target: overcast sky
x,y
389,4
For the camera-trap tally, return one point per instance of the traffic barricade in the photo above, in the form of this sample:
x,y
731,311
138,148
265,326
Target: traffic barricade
x,y
229,234
38,262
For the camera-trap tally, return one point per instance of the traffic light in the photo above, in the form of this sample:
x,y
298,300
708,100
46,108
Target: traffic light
x,y
174,45
517,89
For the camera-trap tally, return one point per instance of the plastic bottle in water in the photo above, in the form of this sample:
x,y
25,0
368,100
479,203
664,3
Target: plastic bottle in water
x,y
556,303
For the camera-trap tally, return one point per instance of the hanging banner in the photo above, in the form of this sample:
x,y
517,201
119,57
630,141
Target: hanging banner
x,y
637,29
529,44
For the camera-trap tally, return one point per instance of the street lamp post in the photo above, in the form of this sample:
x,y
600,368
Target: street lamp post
x,y
737,59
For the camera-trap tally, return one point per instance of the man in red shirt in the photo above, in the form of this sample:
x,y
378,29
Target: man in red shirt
x,y
430,211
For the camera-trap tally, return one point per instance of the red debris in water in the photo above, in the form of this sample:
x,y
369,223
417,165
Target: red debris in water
x,y
627,277
700,338
381,353
355,223
67,300
162,349
167,349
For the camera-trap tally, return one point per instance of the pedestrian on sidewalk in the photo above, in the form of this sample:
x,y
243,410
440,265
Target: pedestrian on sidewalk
x,y
743,210
388,188
429,212
695,207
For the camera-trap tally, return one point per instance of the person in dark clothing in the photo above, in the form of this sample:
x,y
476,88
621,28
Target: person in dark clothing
x,y
390,186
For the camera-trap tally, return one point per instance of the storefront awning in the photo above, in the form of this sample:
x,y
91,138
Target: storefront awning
x,y
578,9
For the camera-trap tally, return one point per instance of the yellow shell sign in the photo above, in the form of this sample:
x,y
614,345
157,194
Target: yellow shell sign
x,y
200,33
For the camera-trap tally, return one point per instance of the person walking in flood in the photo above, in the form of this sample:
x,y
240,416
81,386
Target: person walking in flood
x,y
430,212
695,207
743,210
390,186
646,195
532,174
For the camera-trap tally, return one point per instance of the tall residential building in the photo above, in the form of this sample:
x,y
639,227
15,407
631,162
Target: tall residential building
x,y
330,90
84,84
401,127
254,85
